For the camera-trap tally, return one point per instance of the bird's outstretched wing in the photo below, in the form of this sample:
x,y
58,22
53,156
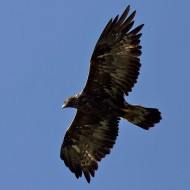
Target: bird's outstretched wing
x,y
115,62
87,141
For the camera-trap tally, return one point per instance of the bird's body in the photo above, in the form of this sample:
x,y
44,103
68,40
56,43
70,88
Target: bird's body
x,y
94,105
114,70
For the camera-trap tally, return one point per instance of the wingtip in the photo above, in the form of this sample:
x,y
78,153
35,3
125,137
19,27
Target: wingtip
x,y
133,13
128,8
87,176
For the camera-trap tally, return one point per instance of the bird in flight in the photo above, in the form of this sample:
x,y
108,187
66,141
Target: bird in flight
x,y
114,69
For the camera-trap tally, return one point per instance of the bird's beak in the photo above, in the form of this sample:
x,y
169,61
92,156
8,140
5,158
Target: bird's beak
x,y
63,106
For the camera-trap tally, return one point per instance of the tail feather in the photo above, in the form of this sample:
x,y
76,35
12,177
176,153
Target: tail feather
x,y
141,116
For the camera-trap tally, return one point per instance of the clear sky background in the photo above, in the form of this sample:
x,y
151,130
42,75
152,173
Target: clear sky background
x,y
45,48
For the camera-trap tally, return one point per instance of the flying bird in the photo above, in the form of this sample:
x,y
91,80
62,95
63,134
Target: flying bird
x,y
114,69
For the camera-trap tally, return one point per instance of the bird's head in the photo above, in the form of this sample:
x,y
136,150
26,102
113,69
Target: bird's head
x,y
70,102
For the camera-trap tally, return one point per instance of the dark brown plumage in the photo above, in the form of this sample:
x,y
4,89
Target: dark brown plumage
x,y
114,70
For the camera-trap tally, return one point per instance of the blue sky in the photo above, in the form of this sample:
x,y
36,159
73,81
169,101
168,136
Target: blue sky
x,y
45,51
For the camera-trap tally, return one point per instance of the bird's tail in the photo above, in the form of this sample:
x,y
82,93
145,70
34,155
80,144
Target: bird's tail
x,y
141,116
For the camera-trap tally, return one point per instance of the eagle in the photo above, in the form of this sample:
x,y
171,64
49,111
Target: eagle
x,y
114,69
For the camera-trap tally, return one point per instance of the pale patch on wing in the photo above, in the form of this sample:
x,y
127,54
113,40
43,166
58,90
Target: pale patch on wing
x,y
103,55
76,148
